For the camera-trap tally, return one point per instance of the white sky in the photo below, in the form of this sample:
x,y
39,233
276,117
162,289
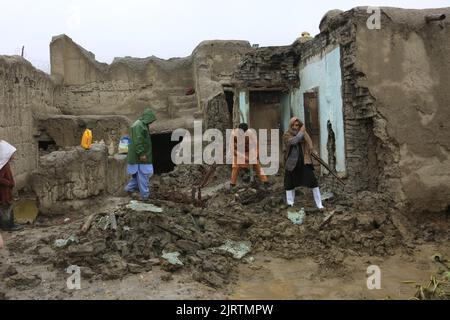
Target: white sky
x,y
164,28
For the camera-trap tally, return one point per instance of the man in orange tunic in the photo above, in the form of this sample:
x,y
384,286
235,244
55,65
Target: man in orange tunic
x,y
248,156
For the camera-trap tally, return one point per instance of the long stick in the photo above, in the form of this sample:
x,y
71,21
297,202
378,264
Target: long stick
x,y
323,163
87,225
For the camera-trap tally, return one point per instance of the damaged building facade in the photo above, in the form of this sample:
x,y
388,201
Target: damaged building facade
x,y
374,101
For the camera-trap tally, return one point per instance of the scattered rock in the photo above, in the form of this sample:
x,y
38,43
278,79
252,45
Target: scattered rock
x,y
10,271
167,277
23,281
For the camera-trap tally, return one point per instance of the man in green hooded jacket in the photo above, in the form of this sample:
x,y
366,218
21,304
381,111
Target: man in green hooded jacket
x,y
140,156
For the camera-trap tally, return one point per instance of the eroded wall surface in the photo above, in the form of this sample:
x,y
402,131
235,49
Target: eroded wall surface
x,y
407,70
323,73
129,85
66,178
26,95
395,102
66,131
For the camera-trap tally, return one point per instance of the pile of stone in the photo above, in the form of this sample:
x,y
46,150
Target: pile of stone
x,y
139,236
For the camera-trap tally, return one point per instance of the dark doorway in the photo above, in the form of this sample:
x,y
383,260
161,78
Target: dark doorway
x,y
162,152
265,113
265,110
46,144
229,96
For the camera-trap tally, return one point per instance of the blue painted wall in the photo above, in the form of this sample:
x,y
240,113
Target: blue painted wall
x,y
244,106
285,111
324,72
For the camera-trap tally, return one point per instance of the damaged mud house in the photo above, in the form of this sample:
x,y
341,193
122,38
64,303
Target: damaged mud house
x,y
376,103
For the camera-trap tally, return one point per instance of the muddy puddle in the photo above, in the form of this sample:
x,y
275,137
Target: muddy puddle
x,y
280,279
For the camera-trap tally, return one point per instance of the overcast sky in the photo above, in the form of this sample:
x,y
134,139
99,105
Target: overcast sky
x,y
164,28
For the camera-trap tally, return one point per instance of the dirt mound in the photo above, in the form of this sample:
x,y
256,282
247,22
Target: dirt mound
x,y
260,216
209,242
175,238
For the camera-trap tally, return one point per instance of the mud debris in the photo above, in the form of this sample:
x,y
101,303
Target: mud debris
x,y
238,221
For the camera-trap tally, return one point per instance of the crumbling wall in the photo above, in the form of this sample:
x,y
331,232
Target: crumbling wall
x,y
129,85
216,115
337,38
395,94
407,72
26,94
268,68
67,130
322,74
214,65
126,87
66,178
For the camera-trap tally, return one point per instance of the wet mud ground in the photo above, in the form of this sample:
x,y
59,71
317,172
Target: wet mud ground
x,y
286,261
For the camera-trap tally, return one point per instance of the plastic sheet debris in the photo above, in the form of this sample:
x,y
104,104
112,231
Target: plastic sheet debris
x,y
104,223
113,221
327,196
61,243
237,249
143,207
297,218
249,260
172,258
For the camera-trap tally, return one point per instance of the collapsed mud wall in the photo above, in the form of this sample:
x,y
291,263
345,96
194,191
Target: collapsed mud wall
x,y
26,95
65,179
129,85
66,131
395,102
126,87
338,32
407,71
214,65
268,68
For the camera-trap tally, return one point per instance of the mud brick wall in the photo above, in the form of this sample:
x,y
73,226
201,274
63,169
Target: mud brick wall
x,y
129,85
361,164
66,179
216,115
267,68
395,99
67,130
26,94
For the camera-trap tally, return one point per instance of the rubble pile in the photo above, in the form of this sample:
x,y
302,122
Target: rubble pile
x,y
139,239
210,241
261,217
184,177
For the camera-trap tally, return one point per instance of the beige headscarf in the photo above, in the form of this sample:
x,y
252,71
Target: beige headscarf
x,y
306,144
6,152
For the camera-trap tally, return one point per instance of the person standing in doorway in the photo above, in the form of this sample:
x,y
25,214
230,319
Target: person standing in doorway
x,y
6,187
299,170
140,155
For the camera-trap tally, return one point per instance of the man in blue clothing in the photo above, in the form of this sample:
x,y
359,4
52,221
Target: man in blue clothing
x,y
140,155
